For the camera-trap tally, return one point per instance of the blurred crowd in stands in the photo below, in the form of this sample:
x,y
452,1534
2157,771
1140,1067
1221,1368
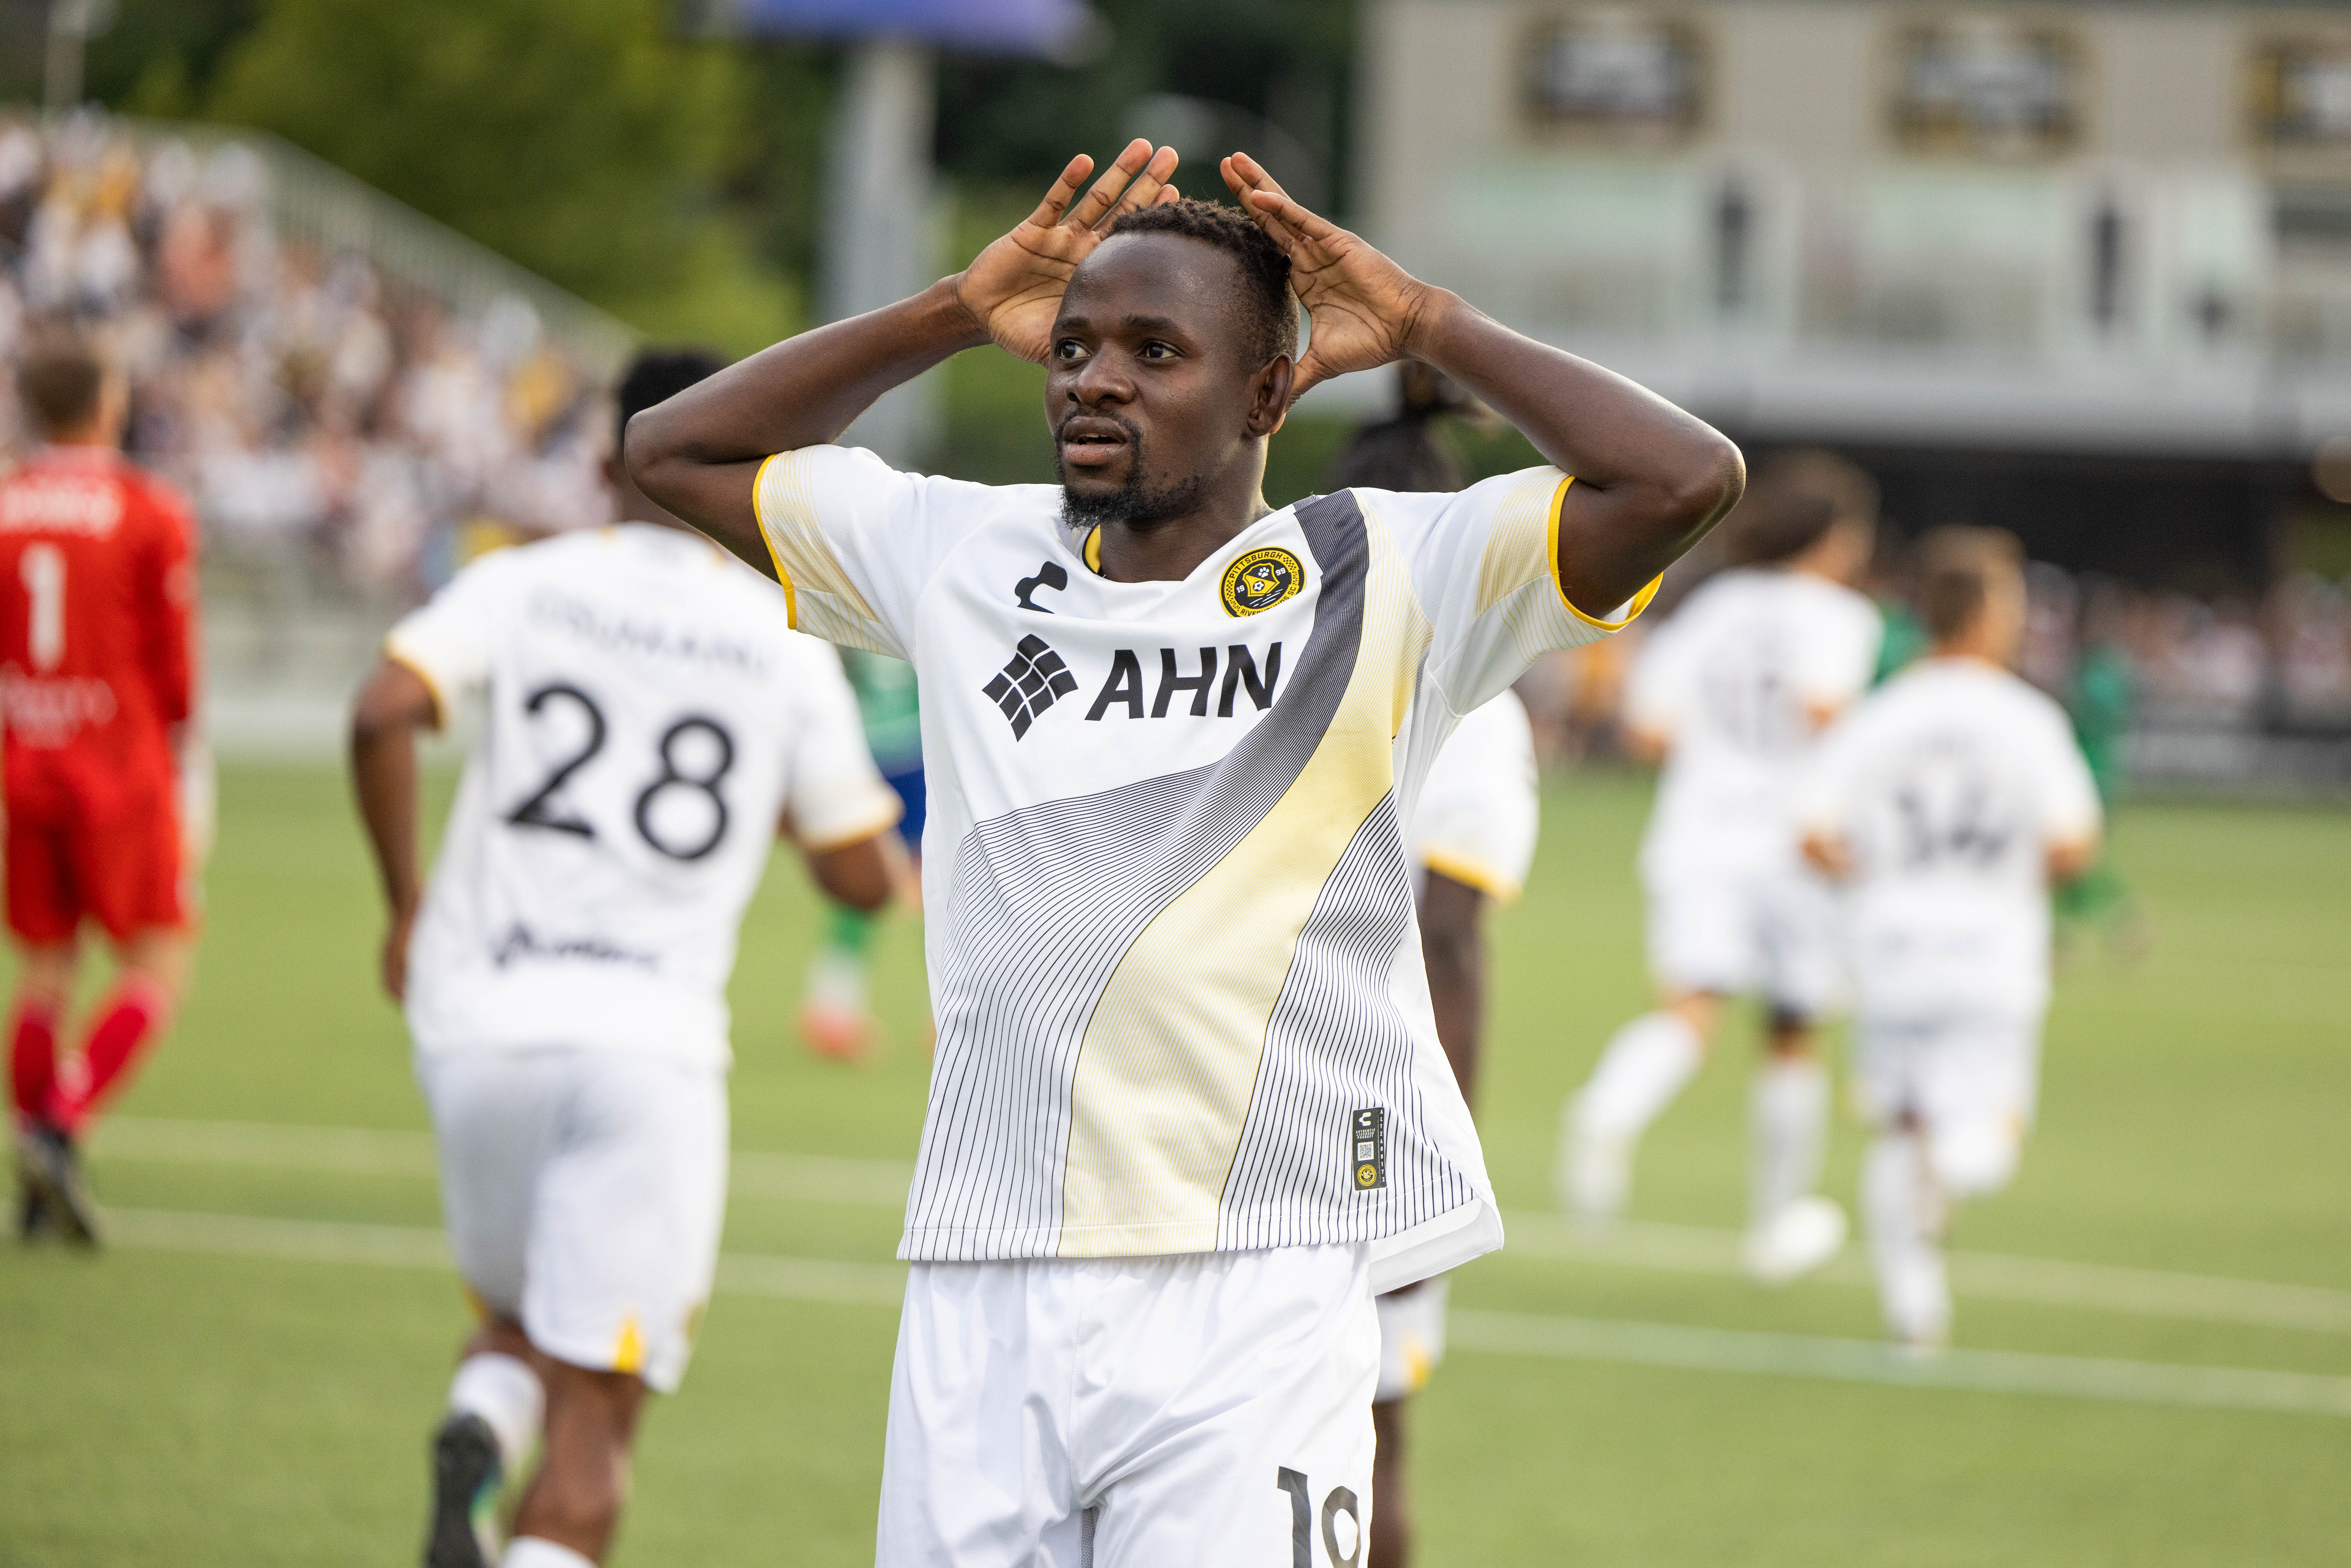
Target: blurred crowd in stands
x,y
329,422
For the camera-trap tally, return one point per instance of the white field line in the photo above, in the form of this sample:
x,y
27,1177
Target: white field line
x,y
1861,1361
1508,1333
1983,1276
1676,1249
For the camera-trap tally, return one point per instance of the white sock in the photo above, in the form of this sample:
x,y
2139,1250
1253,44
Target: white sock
x,y
1788,1125
1903,1214
1644,1066
530,1551
505,1392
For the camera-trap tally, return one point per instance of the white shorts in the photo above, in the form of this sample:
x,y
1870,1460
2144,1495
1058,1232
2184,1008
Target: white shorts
x,y
1970,1082
585,1190
1412,1337
1214,1408
1742,933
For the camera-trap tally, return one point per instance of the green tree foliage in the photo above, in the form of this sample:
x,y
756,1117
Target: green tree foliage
x,y
579,137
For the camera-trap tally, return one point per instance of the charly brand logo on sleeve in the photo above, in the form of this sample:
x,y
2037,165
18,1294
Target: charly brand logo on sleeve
x,y
1029,681
1261,580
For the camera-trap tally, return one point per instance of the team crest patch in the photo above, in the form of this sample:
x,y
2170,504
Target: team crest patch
x,y
1261,580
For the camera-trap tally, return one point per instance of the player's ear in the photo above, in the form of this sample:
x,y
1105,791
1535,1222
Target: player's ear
x,y
1270,395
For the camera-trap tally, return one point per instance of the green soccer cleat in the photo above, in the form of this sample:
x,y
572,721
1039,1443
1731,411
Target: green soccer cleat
x,y
466,1476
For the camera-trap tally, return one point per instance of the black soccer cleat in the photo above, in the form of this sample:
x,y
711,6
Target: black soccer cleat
x,y
466,1476
51,1167
32,1201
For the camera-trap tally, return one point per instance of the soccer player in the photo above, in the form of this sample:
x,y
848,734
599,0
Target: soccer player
x,y
1189,1114
1472,841
1732,691
650,717
98,620
1947,803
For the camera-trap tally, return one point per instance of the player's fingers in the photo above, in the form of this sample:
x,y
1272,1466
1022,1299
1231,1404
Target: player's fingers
x,y
1169,193
1297,219
1144,191
1254,173
1122,168
1310,371
1057,200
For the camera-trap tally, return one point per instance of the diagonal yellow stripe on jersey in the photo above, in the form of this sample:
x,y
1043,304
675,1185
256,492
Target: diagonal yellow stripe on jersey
x,y
1169,1060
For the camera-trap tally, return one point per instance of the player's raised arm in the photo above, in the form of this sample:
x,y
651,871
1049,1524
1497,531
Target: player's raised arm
x,y
1649,478
698,453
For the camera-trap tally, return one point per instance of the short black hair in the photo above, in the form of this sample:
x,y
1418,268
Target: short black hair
x,y
656,375
60,379
1271,324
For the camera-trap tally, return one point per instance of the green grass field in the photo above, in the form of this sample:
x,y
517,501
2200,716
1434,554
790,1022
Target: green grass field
x,y
249,1378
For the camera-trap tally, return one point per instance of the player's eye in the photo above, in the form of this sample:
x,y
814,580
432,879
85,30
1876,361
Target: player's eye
x,y
1069,348
1155,350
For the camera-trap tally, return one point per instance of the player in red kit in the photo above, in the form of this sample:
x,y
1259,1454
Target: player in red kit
x,y
97,624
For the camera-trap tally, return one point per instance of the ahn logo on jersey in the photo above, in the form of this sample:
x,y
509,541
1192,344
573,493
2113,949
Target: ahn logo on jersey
x,y
1367,1136
1261,580
1029,683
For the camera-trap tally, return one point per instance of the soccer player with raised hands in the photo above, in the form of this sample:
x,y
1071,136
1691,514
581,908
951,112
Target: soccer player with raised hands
x,y
1190,1113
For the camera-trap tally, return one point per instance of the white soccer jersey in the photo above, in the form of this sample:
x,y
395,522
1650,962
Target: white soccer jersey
x,y
650,714
1730,680
1478,812
1173,957
1950,785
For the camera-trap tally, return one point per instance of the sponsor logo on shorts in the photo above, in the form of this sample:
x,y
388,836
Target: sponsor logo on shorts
x,y
1367,1141
1261,580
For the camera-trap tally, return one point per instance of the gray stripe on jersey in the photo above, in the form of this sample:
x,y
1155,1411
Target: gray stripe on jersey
x,y
1048,899
1336,1044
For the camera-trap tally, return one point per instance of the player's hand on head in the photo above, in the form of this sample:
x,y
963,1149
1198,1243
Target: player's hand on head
x,y
1013,288
1361,307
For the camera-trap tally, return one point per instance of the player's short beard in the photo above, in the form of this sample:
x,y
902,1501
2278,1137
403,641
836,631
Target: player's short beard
x,y
1135,502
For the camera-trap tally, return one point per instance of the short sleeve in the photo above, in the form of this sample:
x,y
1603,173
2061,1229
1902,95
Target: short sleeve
x,y
1484,564
1658,691
2070,812
1838,652
854,540
1478,812
449,643
834,794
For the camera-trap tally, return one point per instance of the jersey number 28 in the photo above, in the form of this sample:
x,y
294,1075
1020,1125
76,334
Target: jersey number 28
x,y
541,810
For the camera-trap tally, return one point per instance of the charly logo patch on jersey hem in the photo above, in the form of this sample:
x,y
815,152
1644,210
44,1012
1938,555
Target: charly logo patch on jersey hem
x,y
1261,580
1367,1136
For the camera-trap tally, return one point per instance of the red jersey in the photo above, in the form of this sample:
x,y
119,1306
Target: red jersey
x,y
98,616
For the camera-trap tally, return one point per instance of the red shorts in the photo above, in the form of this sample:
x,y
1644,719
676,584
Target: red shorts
x,y
122,869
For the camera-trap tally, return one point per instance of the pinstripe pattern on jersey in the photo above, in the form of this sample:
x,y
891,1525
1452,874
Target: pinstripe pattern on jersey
x,y
1337,1044
1046,902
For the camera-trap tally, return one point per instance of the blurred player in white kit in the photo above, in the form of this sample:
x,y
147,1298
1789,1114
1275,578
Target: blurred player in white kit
x,y
1471,841
650,719
1732,692
1946,804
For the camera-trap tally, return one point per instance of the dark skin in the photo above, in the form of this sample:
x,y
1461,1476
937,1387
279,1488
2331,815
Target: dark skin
x,y
574,1496
1145,354
1453,948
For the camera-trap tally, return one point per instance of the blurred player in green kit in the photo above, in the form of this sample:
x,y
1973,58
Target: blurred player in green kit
x,y
2102,699
836,1018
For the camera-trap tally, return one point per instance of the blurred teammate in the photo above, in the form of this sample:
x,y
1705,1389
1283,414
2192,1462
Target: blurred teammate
x,y
1731,690
650,718
1947,803
1471,840
98,619
836,1015
1189,1114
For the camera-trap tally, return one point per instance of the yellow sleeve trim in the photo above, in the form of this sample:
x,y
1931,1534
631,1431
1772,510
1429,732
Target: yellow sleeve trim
x,y
882,822
791,599
1469,873
1640,600
432,688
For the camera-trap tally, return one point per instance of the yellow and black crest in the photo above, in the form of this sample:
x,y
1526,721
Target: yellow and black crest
x,y
1261,580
